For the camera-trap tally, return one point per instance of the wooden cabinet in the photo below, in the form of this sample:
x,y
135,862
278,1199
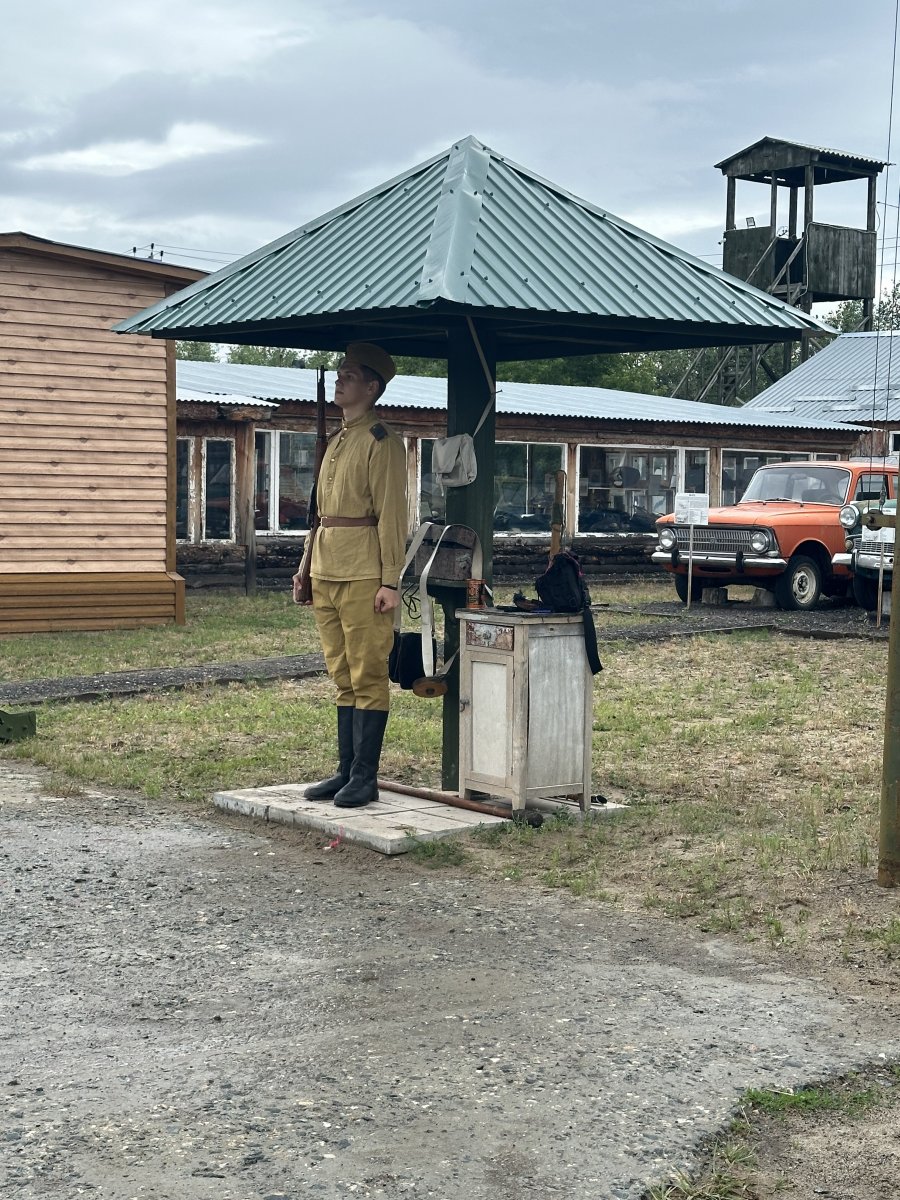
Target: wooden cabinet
x,y
526,706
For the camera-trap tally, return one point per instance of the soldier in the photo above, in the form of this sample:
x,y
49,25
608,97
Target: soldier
x,y
356,564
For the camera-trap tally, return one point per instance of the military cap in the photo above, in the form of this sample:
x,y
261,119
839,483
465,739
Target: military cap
x,y
365,354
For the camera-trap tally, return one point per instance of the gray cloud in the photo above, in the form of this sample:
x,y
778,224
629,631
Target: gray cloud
x,y
627,105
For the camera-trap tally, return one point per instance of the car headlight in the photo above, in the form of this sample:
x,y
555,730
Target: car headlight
x,y
667,539
848,516
759,541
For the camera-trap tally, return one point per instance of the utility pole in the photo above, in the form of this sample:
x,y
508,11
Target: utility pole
x,y
889,831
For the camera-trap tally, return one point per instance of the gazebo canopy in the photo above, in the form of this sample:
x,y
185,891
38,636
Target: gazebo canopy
x,y
469,233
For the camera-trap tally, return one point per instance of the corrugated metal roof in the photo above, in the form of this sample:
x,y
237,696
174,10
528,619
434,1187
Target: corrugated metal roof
x,y
854,378
861,159
470,231
232,400
545,400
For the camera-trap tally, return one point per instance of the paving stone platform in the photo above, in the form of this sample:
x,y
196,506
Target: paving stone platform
x,y
392,825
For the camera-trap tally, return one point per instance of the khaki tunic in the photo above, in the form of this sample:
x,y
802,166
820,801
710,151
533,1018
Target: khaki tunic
x,y
362,476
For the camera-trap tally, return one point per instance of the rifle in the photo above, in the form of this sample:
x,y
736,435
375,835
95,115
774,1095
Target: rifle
x,y
557,514
302,581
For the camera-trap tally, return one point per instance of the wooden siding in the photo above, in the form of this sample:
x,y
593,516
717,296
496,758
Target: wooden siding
x,y
99,600
86,428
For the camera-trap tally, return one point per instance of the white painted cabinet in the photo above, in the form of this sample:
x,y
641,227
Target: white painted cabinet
x,y
525,697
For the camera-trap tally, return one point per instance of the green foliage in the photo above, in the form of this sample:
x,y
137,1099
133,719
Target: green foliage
x,y
329,359
266,356
813,1099
196,351
848,316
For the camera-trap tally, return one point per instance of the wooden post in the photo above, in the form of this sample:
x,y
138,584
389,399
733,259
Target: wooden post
x,y
889,834
730,195
245,500
467,394
792,214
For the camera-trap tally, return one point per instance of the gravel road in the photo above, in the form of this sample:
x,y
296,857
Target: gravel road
x,y
193,1007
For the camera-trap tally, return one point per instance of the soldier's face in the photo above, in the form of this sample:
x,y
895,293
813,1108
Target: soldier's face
x,y
351,390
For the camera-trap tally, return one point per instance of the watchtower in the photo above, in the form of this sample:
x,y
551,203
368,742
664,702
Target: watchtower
x,y
817,261
802,265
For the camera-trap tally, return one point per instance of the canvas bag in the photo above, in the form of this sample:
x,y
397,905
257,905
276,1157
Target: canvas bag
x,y
413,656
453,461
562,588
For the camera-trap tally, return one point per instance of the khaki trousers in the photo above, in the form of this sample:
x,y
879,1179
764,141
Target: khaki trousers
x,y
356,640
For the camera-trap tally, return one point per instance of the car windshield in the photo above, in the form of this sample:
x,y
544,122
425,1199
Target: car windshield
x,y
806,483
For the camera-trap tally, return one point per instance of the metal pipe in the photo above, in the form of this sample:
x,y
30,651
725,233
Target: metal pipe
x,y
455,800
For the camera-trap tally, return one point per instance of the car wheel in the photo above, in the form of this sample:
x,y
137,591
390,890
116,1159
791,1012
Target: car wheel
x,y
801,584
681,587
865,593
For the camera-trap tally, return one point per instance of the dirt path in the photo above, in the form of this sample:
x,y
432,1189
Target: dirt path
x,y
193,1008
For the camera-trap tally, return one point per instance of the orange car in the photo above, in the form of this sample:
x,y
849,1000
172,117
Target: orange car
x,y
782,535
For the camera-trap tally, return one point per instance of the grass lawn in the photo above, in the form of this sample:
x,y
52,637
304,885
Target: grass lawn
x,y
750,763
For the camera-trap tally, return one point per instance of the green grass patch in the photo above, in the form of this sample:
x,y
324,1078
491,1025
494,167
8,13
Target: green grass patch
x,y
826,1098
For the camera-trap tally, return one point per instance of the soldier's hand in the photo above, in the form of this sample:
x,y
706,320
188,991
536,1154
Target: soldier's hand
x,y
386,598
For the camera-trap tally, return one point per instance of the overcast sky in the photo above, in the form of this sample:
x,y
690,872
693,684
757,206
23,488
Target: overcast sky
x,y
214,126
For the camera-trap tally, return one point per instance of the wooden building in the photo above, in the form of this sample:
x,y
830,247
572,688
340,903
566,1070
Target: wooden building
x,y
87,441
625,455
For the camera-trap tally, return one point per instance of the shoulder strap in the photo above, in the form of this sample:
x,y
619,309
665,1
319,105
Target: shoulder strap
x,y
417,540
590,641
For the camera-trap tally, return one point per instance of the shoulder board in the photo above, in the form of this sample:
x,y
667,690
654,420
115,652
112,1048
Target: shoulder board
x,y
378,432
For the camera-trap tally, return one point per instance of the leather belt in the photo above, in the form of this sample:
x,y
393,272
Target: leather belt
x,y
346,522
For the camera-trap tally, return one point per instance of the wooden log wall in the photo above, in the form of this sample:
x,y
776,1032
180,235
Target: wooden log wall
x,y
86,422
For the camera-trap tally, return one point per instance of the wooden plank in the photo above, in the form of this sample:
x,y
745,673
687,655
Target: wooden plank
x,y
24,319
19,336
106,407
103,582
26,507
141,490
45,538
158,605
67,368
74,291
48,440
26,466
128,390
80,307
91,430
76,566
60,275
166,276
86,626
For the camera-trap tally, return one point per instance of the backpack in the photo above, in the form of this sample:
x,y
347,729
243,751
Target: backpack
x,y
562,588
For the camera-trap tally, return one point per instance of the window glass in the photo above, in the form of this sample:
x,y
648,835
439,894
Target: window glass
x,y
182,486
871,487
696,471
625,489
217,500
812,484
738,467
524,486
296,456
263,481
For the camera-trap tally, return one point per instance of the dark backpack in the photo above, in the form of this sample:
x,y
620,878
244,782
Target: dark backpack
x,y
562,588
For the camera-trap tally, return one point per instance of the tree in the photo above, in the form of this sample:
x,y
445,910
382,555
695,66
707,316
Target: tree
x,y
848,316
266,356
624,372
329,359
196,351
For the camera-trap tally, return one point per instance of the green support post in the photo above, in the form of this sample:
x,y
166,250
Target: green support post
x,y
467,394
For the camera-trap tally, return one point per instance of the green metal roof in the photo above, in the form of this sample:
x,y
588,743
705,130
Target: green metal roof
x,y
470,232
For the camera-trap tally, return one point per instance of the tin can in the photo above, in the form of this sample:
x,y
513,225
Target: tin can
x,y
474,593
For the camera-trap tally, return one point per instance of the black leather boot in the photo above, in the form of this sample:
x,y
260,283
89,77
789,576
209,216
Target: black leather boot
x,y
368,734
330,787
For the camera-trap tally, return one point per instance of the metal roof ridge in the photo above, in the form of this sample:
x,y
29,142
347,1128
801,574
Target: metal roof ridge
x,y
451,243
294,235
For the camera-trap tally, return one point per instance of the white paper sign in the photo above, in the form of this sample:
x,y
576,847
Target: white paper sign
x,y
691,508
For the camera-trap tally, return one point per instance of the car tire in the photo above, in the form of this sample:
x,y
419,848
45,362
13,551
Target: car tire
x,y
865,593
800,586
681,587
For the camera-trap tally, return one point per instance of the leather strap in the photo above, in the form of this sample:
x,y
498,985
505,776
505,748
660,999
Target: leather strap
x,y
346,522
